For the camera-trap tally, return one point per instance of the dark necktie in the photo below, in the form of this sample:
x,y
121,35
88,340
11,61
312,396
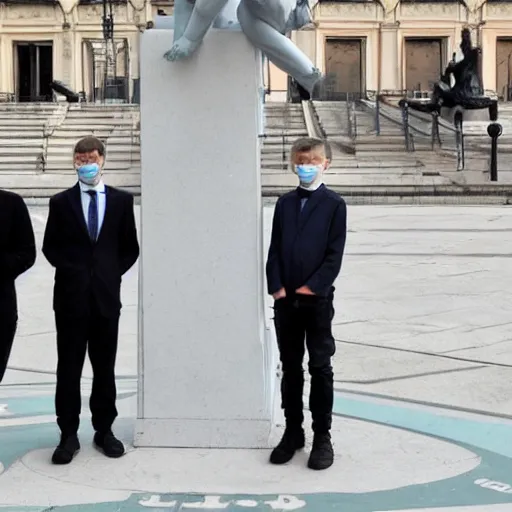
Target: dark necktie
x,y
93,215
304,195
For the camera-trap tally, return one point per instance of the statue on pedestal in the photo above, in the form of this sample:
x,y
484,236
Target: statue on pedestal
x,y
264,22
467,91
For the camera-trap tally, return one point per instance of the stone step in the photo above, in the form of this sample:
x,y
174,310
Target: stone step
x,y
8,117
10,131
76,124
112,147
20,152
20,145
84,107
109,166
74,135
22,136
10,167
25,157
19,107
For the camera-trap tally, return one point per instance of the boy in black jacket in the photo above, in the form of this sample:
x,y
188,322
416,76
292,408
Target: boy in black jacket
x,y
304,259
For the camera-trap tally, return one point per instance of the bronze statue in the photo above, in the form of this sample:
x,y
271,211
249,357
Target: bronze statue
x,y
467,91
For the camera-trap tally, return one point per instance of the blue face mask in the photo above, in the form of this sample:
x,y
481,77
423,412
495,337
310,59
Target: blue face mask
x,y
88,173
307,173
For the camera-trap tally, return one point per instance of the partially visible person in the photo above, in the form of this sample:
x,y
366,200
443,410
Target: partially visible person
x,y
91,240
306,250
17,255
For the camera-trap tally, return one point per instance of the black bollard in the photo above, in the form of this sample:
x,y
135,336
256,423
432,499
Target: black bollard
x,y
494,130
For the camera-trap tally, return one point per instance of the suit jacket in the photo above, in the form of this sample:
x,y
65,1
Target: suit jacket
x,y
87,270
17,249
306,247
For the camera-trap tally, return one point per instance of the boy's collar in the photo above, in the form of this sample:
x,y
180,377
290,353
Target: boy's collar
x,y
313,187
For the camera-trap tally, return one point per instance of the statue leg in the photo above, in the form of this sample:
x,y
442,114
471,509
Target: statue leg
x,y
201,19
278,48
182,12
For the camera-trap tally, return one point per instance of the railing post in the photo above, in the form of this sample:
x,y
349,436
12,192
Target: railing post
x,y
354,121
494,130
349,117
458,120
436,139
405,122
377,113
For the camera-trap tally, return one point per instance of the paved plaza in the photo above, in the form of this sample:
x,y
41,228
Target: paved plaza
x,y
423,377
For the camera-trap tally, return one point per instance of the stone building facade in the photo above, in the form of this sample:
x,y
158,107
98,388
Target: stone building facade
x,y
365,45
41,40
405,45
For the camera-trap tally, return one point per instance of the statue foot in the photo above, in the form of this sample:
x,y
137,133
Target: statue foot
x,y
181,49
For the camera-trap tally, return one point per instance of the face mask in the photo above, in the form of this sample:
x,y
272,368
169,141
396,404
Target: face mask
x,y
308,173
88,173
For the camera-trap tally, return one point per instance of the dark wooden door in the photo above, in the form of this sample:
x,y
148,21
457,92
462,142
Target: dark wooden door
x,y
504,69
423,61
344,63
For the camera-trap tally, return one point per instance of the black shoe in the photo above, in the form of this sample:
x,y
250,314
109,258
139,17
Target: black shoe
x,y
291,441
322,454
109,444
68,447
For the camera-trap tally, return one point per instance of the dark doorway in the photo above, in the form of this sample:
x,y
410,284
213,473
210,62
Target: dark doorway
x,y
34,71
504,69
423,63
345,63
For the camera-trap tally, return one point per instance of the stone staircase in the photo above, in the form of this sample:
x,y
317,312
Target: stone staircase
x,y
23,129
36,142
116,125
284,122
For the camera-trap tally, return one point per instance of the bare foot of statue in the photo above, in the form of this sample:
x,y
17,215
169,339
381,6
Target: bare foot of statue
x,y
181,49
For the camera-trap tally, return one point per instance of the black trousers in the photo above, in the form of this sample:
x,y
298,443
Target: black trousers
x,y
7,332
298,318
76,336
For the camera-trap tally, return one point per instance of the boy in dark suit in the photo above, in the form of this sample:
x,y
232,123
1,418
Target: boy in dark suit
x,y
304,259
91,240
17,255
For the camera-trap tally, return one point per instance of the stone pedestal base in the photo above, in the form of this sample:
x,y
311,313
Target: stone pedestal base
x,y
206,376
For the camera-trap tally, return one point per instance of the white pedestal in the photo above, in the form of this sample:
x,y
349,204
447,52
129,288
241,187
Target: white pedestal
x,y
206,366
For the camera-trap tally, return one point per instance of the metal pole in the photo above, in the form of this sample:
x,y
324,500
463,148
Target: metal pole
x,y
494,130
377,113
105,42
508,98
405,124
459,139
436,138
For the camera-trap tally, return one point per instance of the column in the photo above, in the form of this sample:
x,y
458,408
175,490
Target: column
x,y
390,62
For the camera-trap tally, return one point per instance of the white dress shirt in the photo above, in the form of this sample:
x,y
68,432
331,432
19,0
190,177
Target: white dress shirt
x,y
86,200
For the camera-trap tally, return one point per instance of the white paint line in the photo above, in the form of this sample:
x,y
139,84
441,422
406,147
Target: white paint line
x,y
31,420
283,502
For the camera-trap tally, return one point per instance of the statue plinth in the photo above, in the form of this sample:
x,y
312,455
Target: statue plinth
x,y
207,365
469,115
